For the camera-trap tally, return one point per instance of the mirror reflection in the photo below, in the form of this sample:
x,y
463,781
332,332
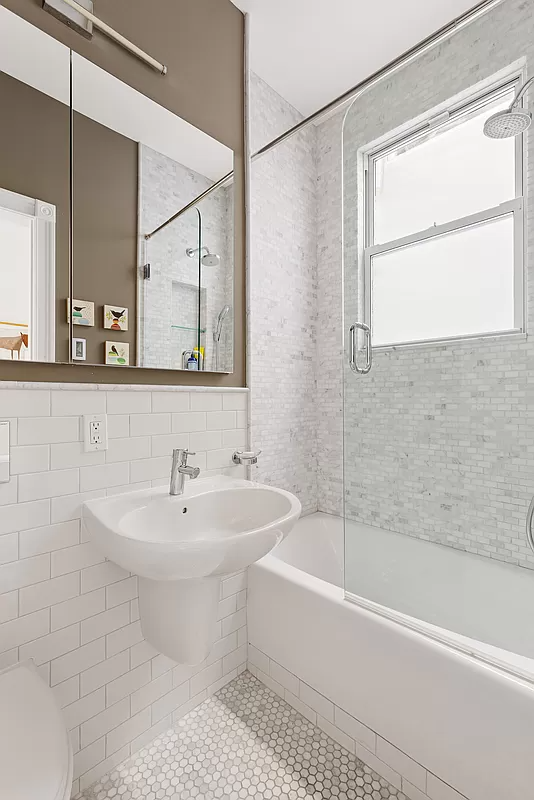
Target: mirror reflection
x,y
151,286
156,300
34,192
187,286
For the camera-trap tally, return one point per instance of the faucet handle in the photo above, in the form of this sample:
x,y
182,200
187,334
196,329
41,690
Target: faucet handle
x,y
182,454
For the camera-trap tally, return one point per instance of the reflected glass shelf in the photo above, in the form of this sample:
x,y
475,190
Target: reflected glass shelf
x,y
184,328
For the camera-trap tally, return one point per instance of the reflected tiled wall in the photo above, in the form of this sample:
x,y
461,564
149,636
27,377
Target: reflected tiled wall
x,y
66,607
165,187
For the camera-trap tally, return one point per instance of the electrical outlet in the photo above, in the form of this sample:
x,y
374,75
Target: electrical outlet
x,y
95,432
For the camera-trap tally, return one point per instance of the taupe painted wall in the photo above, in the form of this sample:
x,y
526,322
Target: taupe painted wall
x,y
34,161
104,230
202,43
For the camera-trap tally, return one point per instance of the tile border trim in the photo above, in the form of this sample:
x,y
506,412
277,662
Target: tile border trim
x,y
118,387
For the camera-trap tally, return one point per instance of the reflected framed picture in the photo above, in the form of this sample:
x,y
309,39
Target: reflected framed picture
x,y
116,318
118,354
79,349
83,312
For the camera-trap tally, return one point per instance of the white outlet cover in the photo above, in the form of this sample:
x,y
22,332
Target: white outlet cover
x,y
88,446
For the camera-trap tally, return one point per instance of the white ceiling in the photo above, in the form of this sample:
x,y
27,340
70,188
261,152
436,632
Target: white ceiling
x,y
311,51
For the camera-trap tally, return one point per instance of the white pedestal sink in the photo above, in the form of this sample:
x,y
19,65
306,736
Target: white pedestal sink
x,y
181,547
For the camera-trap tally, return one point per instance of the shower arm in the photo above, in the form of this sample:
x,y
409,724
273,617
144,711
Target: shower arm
x,y
192,252
521,93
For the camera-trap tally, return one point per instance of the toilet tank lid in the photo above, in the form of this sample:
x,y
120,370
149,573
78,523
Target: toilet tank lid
x,y
34,744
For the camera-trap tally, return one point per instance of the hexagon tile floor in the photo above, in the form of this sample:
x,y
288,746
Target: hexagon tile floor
x,y
241,743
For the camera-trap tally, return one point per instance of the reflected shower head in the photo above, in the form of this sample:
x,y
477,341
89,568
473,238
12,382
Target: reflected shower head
x,y
211,260
208,260
512,121
508,123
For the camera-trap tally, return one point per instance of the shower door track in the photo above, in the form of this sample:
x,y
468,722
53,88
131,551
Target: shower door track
x,y
440,638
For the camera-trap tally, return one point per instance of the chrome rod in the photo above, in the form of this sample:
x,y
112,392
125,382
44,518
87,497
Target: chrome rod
x,y
530,515
190,205
391,68
353,94
522,92
117,37
368,348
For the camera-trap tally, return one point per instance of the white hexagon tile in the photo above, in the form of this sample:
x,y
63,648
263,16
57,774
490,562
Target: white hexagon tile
x,y
243,742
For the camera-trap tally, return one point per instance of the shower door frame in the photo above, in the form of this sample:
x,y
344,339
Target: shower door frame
x,y
516,207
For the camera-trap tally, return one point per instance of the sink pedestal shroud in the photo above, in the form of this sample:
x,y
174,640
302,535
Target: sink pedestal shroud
x,y
179,618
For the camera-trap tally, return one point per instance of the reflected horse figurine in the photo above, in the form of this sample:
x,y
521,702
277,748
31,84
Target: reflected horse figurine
x,y
14,343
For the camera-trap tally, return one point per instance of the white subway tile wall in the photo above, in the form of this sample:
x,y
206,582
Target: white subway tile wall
x,y
70,610
388,761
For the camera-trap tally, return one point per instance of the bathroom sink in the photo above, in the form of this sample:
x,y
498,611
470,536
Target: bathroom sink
x,y
182,546
218,526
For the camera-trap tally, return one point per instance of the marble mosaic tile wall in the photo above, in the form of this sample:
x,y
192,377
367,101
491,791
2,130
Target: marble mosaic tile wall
x,y
283,308
329,303
165,187
439,438
66,607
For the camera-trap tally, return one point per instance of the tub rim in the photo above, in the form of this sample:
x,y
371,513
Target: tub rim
x,y
440,636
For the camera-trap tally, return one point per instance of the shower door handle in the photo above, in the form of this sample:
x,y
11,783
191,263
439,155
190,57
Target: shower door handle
x,y
368,349
530,533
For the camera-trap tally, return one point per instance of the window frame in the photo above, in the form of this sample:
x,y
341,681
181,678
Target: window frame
x,y
42,327
515,207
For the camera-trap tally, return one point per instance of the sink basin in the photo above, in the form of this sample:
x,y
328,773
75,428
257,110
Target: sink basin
x,y
181,547
216,527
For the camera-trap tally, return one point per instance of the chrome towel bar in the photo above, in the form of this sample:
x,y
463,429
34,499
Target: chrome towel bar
x,y
117,37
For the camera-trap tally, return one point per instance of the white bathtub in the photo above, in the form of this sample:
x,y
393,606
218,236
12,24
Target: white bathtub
x,y
468,722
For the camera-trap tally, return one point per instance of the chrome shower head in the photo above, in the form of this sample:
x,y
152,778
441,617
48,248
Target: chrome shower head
x,y
512,121
208,260
508,123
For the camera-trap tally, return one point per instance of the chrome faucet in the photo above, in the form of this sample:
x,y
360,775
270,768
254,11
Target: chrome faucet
x,y
180,469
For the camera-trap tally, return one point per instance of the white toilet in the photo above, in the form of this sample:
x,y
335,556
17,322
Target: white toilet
x,y
35,751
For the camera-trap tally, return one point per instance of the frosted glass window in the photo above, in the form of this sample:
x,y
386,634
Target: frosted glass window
x,y
457,284
446,174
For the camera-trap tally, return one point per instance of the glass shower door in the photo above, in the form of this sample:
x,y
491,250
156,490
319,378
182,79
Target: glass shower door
x,y
171,295
437,468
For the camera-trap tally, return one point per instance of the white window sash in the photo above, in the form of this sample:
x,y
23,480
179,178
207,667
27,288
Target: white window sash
x,y
512,207
455,114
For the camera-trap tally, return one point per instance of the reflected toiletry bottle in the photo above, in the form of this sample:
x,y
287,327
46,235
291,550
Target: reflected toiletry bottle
x,y
192,363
